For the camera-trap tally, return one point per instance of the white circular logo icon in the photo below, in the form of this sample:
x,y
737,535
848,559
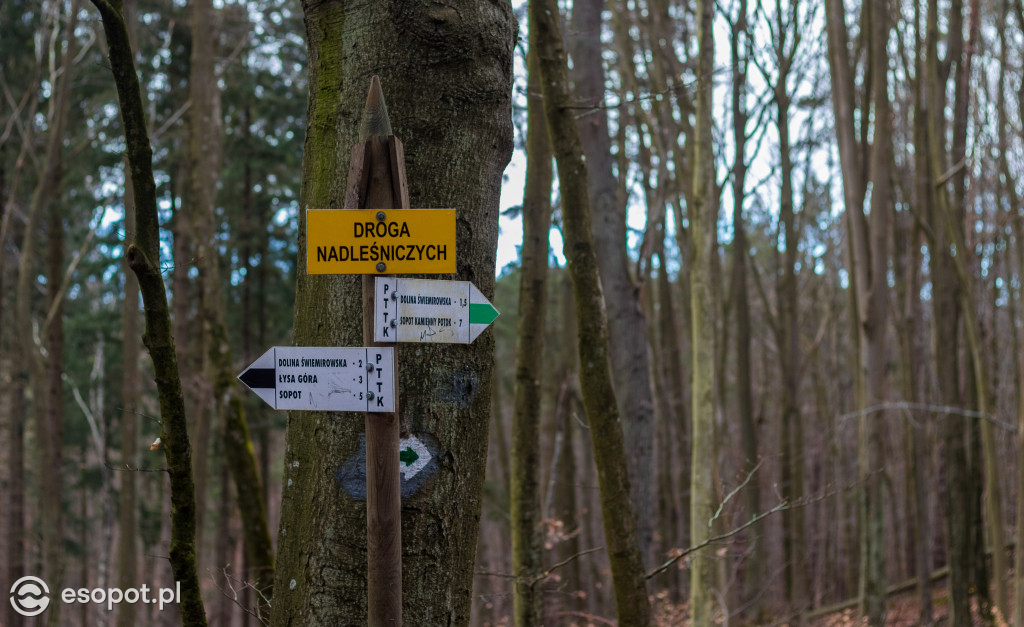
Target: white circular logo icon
x,y
29,596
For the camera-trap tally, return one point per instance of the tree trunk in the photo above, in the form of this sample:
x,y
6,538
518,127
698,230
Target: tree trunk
x,y
703,217
1014,202
753,578
595,377
627,325
871,264
446,70
793,452
869,245
143,257
205,148
525,492
970,303
945,311
50,428
1018,553
127,548
48,408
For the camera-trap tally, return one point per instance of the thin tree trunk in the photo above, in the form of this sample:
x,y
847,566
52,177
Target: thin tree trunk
x,y
205,148
1018,564
203,167
47,409
1010,192
627,325
143,258
595,376
127,548
753,577
7,488
525,492
793,451
703,225
969,303
869,247
678,533
916,433
946,315
922,197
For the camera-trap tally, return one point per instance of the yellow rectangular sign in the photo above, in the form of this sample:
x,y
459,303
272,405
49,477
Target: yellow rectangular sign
x,y
380,241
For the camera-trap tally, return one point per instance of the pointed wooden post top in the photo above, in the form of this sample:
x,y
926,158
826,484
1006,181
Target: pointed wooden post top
x,y
375,115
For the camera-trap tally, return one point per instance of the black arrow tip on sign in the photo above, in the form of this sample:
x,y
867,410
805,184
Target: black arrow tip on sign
x,y
257,378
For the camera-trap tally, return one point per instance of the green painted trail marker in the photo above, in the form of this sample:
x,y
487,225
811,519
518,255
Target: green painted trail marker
x,y
482,313
408,456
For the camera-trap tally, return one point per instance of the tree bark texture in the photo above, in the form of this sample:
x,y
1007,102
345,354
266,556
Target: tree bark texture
x,y
703,224
446,70
871,260
143,258
127,549
869,254
525,492
946,313
127,546
755,567
595,377
627,324
970,299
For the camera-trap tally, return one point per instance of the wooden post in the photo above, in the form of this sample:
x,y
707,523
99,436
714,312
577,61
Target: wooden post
x,y
376,180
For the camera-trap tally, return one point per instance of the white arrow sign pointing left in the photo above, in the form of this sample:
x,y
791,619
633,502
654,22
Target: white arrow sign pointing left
x,y
309,378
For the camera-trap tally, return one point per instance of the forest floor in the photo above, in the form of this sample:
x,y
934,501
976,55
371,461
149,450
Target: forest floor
x,y
904,610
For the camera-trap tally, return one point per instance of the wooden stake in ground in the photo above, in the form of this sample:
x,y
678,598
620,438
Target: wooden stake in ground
x,y
376,180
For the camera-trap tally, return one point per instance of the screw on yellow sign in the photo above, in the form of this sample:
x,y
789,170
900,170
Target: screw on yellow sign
x,y
380,241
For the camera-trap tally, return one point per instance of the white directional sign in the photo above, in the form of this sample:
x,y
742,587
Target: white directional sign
x,y
422,310
324,379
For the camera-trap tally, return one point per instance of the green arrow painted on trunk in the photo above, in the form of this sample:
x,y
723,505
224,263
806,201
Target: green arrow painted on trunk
x,y
408,456
482,313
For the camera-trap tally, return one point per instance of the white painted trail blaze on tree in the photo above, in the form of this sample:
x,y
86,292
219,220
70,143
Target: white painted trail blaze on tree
x,y
413,456
324,378
424,310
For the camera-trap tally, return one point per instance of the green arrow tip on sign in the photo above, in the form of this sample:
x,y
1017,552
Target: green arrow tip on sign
x,y
482,313
408,456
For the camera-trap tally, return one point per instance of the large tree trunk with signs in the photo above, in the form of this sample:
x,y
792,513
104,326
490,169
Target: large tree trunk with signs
x,y
599,401
446,70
